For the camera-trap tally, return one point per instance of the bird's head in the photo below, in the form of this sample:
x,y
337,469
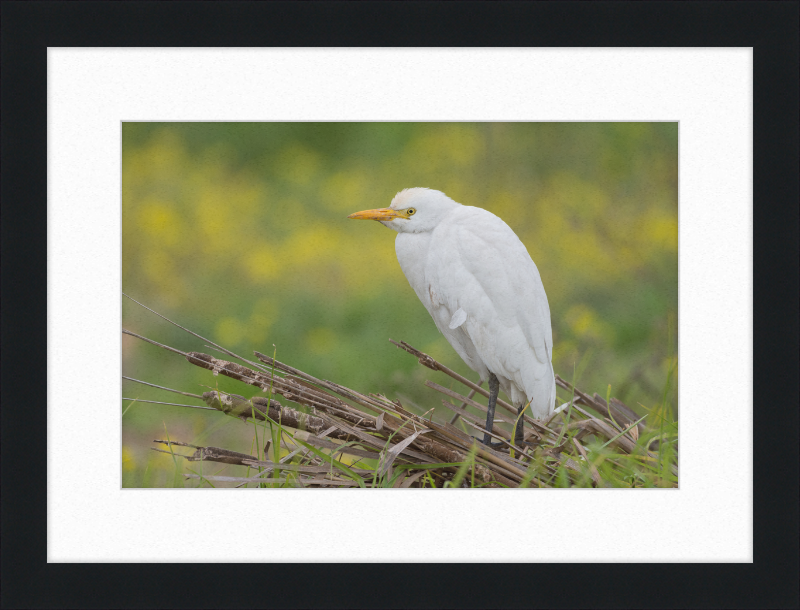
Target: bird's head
x,y
414,210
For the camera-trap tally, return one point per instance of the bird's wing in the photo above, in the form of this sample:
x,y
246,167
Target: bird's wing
x,y
477,264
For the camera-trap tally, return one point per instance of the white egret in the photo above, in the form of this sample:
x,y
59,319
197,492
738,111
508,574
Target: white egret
x,y
483,291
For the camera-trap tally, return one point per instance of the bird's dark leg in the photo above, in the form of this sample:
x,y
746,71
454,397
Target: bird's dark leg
x,y
519,434
494,389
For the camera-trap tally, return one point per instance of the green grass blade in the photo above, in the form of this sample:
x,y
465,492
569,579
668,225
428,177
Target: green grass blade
x,y
334,462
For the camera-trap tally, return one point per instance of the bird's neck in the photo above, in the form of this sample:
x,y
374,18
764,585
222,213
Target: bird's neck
x,y
412,252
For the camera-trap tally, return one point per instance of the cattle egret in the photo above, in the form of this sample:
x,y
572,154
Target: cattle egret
x,y
483,291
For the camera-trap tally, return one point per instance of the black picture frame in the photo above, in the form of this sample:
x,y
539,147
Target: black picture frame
x,y
28,28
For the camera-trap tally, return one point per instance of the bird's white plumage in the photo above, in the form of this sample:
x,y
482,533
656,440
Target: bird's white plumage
x,y
483,291
459,317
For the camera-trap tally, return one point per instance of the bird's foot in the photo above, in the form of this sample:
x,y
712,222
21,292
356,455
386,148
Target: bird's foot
x,y
489,443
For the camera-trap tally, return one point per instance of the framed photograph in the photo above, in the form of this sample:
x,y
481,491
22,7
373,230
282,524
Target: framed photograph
x,y
213,185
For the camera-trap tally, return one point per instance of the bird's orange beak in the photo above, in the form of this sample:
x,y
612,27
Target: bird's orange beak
x,y
380,214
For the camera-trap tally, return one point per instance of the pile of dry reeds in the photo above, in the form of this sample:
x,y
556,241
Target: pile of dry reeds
x,y
389,446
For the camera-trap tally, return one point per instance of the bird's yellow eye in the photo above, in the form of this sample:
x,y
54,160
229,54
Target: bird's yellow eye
x,y
411,211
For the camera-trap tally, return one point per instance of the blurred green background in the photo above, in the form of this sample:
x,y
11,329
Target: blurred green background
x,y
239,232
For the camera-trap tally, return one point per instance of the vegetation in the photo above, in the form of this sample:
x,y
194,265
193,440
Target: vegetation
x,y
238,231
340,437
